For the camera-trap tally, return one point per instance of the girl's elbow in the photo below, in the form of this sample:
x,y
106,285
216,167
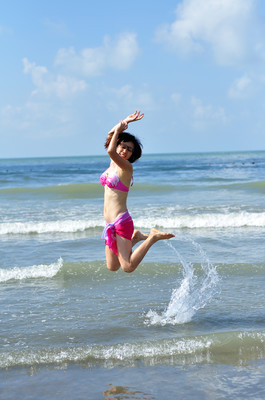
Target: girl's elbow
x,y
111,151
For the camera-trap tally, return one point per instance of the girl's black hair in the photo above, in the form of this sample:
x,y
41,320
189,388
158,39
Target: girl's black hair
x,y
127,137
137,151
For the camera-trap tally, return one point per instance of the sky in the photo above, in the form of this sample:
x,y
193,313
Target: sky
x,y
70,70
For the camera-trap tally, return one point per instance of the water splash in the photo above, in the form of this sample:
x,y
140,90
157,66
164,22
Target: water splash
x,y
196,290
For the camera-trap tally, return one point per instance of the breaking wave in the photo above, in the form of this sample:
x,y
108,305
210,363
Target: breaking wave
x,y
32,272
243,219
206,220
238,346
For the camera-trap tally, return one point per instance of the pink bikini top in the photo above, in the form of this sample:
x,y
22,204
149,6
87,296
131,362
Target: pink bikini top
x,y
113,181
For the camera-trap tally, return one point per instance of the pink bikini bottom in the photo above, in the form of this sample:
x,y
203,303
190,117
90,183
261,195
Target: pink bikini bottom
x,y
122,226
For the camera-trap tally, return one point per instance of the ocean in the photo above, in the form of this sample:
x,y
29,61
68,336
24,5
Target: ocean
x,y
188,323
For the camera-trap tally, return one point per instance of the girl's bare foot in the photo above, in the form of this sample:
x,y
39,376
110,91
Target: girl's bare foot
x,y
156,235
138,236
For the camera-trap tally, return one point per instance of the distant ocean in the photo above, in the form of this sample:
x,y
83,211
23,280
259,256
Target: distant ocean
x,y
189,323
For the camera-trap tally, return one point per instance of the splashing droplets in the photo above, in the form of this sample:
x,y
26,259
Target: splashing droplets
x,y
196,290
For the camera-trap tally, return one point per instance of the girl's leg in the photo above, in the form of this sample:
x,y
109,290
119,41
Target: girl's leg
x,y
129,261
113,263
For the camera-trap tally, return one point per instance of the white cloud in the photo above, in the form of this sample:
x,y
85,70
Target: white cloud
x,y
60,86
37,72
38,119
125,91
117,54
176,97
129,98
241,88
43,115
231,29
145,101
207,113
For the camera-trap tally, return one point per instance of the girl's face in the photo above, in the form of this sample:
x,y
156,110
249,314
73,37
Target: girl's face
x,y
125,150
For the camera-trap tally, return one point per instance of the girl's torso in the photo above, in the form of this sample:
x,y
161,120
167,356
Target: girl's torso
x,y
116,191
111,179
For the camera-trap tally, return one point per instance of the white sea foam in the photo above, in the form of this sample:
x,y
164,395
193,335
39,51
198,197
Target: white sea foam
x,y
193,294
65,226
180,221
34,271
240,345
108,354
207,220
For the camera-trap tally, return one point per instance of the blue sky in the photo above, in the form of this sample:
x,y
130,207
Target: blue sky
x,y
70,70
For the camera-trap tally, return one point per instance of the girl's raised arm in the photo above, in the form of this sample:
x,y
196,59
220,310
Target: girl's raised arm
x,y
136,116
112,148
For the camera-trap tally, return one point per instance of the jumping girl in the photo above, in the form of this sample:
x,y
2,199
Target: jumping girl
x,y
119,234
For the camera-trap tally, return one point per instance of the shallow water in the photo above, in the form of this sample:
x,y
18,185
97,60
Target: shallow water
x,y
193,310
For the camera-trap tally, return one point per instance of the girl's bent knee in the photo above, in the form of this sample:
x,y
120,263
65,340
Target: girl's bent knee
x,y
113,268
127,268
128,271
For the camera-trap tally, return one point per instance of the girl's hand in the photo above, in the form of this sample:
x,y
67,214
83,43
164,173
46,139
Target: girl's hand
x,y
136,116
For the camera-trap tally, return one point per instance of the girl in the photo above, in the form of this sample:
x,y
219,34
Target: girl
x,y
119,234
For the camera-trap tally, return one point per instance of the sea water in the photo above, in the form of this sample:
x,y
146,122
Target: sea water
x,y
189,322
